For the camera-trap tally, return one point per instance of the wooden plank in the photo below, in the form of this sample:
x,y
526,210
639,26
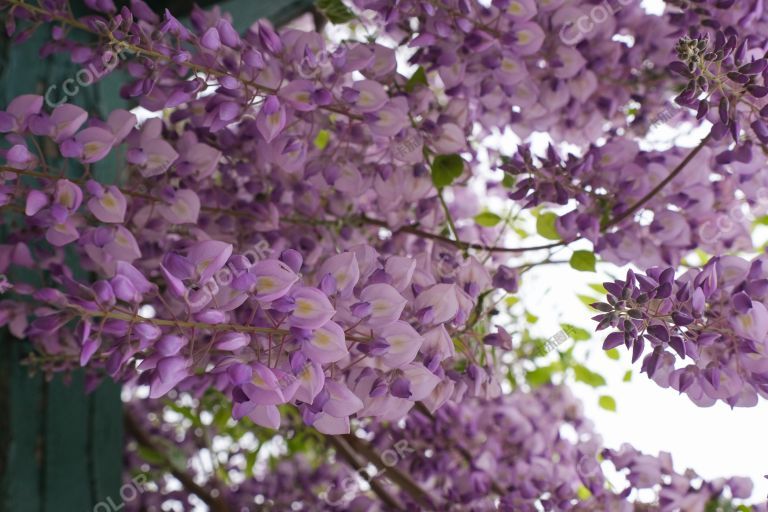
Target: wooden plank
x,y
21,400
105,452
66,478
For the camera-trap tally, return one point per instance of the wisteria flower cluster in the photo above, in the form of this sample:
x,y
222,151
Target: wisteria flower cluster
x,y
716,317
301,228
538,445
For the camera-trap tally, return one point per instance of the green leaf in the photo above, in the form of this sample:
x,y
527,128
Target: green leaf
x,y
583,493
613,354
508,181
607,402
322,138
150,455
599,288
583,261
545,226
587,376
587,300
335,11
530,317
250,462
445,169
487,219
627,376
418,78
540,376
577,333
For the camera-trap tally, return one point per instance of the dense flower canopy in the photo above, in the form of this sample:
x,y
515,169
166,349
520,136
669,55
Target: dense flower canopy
x,y
298,243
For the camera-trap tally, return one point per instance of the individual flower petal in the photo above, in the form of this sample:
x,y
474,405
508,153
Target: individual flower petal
x,y
344,269
66,120
120,123
68,195
422,381
327,424
264,388
62,233
97,142
123,245
442,299
341,401
437,342
390,119
401,269
184,208
298,94
386,303
267,416
753,324
24,106
272,279
110,206
19,157
232,341
327,344
404,343
36,201
208,257
528,38
160,155
313,309
271,119
169,372
312,380
371,96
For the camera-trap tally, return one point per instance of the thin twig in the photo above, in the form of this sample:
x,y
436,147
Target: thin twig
x,y
402,479
216,503
647,197
343,449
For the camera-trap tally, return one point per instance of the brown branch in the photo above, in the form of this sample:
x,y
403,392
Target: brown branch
x,y
343,449
461,245
403,480
647,197
216,503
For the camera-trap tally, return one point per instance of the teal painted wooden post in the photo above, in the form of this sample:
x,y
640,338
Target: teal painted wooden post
x,y
60,449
